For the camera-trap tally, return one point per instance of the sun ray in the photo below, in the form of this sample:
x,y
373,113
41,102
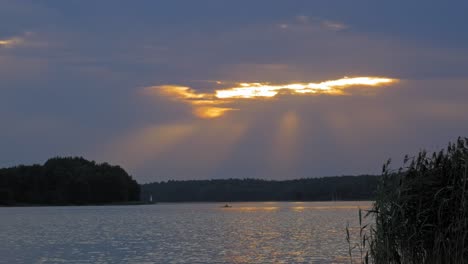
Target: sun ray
x,y
213,143
147,143
285,144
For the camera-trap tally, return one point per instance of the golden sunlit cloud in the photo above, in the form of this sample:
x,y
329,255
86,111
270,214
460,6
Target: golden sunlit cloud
x,y
203,102
10,42
252,90
210,112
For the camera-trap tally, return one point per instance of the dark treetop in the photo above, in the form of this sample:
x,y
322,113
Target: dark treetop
x,y
314,189
62,181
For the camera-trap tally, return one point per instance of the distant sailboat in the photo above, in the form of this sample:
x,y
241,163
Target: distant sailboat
x,y
334,196
151,198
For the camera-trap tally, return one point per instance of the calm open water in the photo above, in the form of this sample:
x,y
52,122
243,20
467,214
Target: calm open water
x,y
270,232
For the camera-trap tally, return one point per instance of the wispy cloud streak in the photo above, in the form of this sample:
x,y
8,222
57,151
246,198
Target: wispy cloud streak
x,y
11,42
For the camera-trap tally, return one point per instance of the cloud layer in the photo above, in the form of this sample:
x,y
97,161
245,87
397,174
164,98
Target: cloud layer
x,y
73,78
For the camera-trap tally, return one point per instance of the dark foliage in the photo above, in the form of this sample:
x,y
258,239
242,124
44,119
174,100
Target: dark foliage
x,y
63,181
421,211
318,189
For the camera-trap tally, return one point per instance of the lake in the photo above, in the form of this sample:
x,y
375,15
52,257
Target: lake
x,y
254,232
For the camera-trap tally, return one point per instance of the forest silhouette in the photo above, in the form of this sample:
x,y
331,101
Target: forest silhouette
x,y
77,181
65,181
230,190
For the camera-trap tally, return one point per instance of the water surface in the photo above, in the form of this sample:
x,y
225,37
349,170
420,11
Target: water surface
x,y
270,232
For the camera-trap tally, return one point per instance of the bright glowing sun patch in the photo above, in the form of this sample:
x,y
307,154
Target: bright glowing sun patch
x,y
203,103
252,90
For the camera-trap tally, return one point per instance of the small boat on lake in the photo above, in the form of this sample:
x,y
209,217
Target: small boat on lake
x,y
227,206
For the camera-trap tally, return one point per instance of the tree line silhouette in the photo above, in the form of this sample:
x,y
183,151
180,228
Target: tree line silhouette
x,y
312,189
69,180
75,180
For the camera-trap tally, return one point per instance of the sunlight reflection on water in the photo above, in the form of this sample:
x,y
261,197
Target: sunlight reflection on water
x,y
271,232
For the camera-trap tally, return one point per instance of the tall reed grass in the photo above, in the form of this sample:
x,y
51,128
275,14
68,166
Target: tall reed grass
x,y
420,214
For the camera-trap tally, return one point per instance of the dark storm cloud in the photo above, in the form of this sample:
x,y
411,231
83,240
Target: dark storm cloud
x,y
74,83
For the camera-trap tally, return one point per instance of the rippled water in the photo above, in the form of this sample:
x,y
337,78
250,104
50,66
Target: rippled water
x,y
271,232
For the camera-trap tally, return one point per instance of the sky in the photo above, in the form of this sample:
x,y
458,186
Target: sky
x,y
214,89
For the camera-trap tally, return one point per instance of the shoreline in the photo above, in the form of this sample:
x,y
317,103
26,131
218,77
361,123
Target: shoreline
x,y
181,202
75,205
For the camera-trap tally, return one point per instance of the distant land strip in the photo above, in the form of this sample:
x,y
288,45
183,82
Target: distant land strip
x,y
77,181
344,188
